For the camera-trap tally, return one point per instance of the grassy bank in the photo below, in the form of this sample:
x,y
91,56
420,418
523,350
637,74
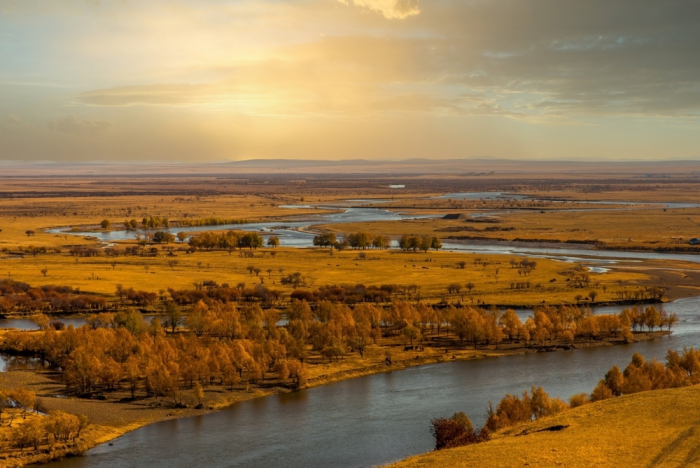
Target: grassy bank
x,y
656,428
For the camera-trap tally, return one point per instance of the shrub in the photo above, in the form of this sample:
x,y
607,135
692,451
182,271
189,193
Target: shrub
x,y
456,431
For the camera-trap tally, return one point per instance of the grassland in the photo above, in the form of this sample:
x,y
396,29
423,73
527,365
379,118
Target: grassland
x,y
432,271
657,428
86,202
626,229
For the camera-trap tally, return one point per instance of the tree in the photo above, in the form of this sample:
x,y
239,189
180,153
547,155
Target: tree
x,y
426,243
182,236
652,318
132,372
511,410
462,264
198,393
540,404
326,239
195,319
25,399
593,295
410,333
252,240
511,324
29,232
381,242
41,320
172,264
614,380
273,241
173,315
436,243
163,237
44,271
105,224
456,431
29,434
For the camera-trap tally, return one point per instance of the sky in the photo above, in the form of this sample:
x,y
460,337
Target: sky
x,y
208,80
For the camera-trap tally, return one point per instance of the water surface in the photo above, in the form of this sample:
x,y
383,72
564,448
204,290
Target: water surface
x,y
370,420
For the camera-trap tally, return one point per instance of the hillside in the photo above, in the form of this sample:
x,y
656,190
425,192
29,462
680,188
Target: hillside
x,y
655,429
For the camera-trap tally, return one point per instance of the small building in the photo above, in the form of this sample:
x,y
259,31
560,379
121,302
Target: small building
x,y
694,241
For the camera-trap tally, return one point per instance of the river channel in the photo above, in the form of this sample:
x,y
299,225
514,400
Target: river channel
x,y
370,420
291,231
373,420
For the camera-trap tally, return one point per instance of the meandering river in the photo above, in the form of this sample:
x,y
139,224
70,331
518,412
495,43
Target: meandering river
x,y
377,419
371,420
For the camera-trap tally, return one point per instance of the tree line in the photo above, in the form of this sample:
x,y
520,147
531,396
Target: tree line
x,y
155,222
680,369
16,296
366,240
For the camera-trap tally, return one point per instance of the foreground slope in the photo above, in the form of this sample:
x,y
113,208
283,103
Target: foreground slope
x,y
655,429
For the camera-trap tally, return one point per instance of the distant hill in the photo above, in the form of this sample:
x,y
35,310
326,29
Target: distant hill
x,y
478,167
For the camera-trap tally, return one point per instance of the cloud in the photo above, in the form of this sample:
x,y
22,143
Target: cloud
x,y
70,124
12,119
391,9
165,94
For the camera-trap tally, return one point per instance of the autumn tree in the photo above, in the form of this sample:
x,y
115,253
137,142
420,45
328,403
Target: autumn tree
x,y
173,315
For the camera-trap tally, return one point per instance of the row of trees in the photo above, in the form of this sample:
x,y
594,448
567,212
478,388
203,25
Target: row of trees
x,y
358,293
230,240
226,345
356,240
415,243
681,369
16,296
366,240
155,222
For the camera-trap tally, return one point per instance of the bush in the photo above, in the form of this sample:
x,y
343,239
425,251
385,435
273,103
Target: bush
x,y
456,431
579,399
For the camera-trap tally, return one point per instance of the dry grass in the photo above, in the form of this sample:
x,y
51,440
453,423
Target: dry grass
x,y
433,271
624,229
656,429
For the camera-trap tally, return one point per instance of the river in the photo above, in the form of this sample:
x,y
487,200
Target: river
x,y
291,233
371,420
381,418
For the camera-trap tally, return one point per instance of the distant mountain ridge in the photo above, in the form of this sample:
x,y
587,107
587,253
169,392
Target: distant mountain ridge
x,y
482,166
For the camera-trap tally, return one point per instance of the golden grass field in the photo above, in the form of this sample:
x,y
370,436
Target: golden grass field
x,y
651,429
591,427
627,228
432,271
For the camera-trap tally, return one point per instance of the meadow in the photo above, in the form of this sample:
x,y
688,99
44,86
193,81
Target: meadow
x,y
29,254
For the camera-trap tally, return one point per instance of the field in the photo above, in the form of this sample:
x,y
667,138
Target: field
x,y
622,229
432,272
657,428
437,277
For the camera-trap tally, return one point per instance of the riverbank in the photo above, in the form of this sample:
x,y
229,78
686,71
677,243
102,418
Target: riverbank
x,y
599,434
115,417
